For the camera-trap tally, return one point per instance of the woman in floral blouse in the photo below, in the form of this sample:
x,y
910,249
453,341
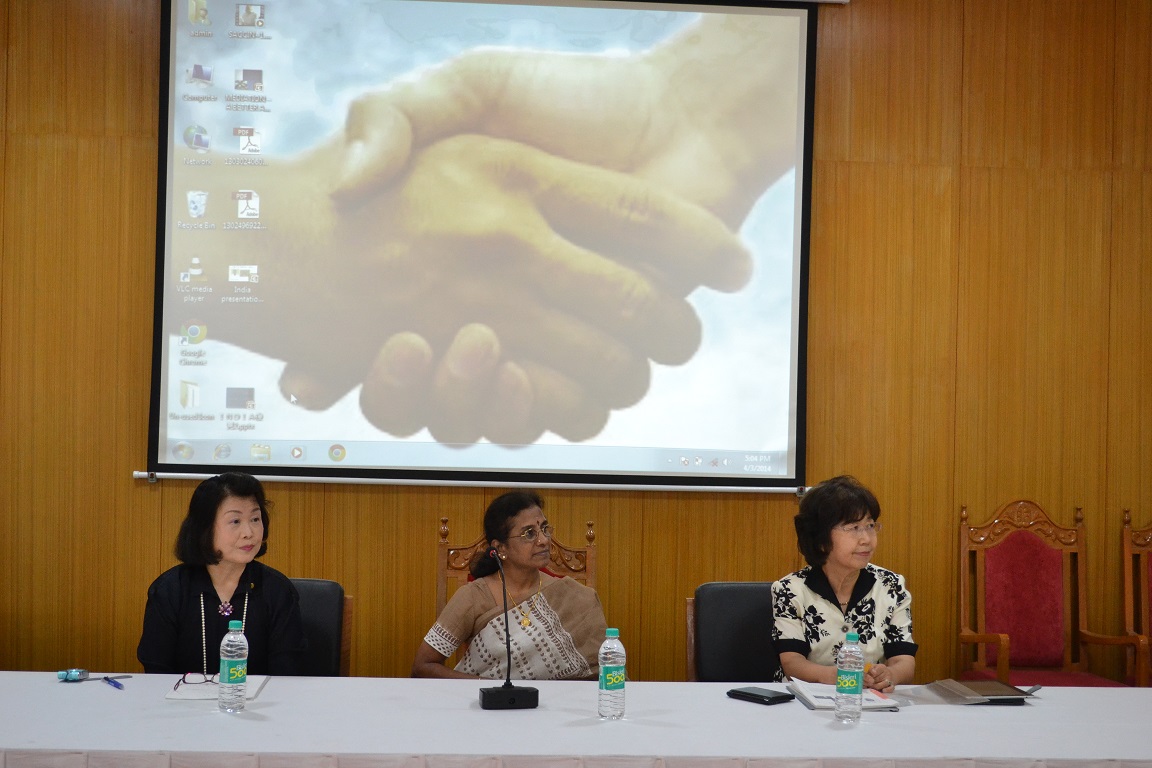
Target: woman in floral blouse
x,y
840,591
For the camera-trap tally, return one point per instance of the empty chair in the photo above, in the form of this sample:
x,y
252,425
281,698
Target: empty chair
x,y
327,615
1137,597
730,633
1023,607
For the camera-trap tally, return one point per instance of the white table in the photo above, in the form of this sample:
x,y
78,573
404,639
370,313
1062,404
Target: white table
x,y
371,722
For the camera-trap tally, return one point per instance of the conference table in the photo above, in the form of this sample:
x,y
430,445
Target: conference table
x,y
362,722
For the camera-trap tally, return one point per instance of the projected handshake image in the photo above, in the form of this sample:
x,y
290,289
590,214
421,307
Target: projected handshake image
x,y
513,225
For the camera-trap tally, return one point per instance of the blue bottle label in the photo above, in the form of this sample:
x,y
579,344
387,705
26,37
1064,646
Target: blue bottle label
x,y
849,682
233,671
611,678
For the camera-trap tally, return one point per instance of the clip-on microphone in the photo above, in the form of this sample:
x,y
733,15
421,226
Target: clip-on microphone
x,y
507,696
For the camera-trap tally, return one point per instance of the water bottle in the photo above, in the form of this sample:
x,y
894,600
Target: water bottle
x,y
849,680
233,668
610,702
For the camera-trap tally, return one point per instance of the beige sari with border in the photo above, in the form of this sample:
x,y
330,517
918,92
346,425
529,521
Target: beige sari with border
x,y
565,627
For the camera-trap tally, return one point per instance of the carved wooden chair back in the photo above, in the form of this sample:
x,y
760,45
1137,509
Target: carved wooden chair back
x,y
453,561
1021,576
1137,595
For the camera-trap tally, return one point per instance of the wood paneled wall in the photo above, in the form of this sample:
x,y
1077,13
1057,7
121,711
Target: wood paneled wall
x,y
980,331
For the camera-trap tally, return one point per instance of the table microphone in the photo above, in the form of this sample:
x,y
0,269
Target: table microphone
x,y
507,696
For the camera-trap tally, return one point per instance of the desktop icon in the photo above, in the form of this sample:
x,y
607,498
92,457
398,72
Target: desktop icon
x,y
183,451
196,137
247,204
222,452
199,75
250,139
249,15
240,398
198,12
336,452
249,79
297,452
193,332
243,273
261,453
197,203
194,273
189,394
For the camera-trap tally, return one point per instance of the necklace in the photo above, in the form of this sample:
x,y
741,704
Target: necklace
x,y
525,619
204,631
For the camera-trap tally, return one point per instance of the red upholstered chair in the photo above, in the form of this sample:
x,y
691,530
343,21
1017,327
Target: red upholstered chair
x,y
1022,608
1137,597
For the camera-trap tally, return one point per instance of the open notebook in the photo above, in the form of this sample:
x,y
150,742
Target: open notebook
x,y
823,696
256,684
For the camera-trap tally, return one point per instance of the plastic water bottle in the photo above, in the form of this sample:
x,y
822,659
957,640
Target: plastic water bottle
x,y
610,703
849,680
233,668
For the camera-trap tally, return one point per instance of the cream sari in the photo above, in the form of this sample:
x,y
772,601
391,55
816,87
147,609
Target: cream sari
x,y
555,634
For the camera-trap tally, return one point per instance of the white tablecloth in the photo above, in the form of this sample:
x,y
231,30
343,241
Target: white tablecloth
x,y
374,722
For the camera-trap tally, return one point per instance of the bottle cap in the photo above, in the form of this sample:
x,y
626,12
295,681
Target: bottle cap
x,y
235,626
853,637
611,632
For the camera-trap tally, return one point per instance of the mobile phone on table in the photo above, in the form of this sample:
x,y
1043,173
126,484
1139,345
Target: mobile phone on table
x,y
760,695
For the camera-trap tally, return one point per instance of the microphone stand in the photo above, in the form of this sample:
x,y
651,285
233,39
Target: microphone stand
x,y
507,696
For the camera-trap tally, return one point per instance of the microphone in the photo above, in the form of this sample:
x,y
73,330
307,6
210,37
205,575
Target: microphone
x,y
507,696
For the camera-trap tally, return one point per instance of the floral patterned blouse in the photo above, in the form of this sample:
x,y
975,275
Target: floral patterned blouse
x,y
808,619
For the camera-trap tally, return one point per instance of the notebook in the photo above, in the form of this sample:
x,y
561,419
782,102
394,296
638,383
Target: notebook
x,y
823,696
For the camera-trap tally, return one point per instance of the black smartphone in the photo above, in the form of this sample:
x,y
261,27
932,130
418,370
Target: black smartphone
x,y
760,695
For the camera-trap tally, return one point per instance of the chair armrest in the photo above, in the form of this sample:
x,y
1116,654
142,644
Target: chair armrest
x,y
1138,643
1000,640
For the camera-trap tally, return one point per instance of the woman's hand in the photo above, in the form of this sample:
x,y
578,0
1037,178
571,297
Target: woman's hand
x,y
430,663
898,670
879,678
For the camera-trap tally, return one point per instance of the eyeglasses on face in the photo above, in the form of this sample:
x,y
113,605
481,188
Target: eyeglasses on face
x,y
530,534
195,678
869,528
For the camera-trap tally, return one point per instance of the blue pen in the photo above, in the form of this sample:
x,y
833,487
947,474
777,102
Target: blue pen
x,y
114,683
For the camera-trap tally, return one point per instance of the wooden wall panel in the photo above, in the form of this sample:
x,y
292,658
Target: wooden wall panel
x,y
1033,338
888,81
1129,458
1038,89
979,328
1133,96
881,362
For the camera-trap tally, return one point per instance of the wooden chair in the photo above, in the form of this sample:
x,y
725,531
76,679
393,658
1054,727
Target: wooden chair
x,y
1022,606
453,561
327,615
1137,598
730,633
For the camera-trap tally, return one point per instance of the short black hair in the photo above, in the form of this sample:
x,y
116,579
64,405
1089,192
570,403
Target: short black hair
x,y
195,544
836,501
498,524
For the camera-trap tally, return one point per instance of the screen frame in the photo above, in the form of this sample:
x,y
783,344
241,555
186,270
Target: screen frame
x,y
157,469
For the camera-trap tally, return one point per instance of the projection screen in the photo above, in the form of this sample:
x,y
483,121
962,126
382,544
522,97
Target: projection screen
x,y
557,243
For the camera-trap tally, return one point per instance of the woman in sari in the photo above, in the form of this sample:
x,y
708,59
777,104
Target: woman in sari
x,y
556,624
